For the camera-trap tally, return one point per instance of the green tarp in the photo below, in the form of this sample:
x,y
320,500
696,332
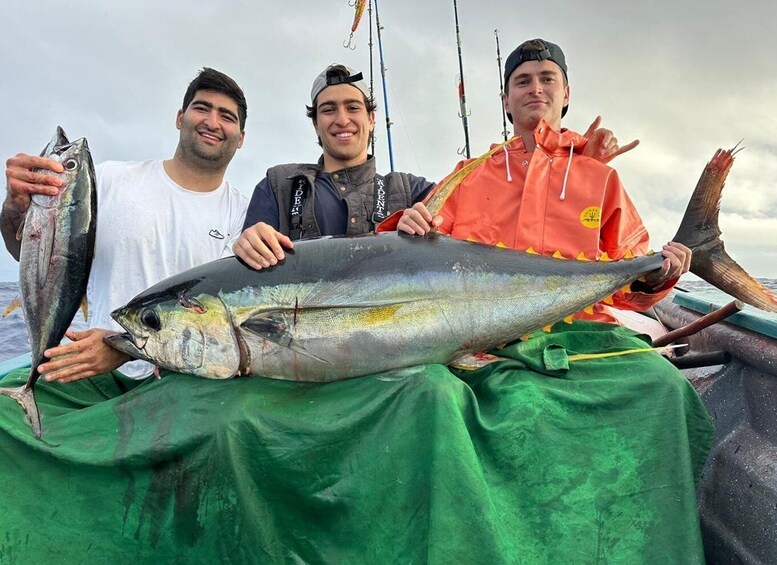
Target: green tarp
x,y
523,461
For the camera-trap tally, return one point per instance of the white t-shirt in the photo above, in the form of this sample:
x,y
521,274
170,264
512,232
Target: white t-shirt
x,y
150,228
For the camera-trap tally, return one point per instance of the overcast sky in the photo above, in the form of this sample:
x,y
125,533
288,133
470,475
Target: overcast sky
x,y
684,78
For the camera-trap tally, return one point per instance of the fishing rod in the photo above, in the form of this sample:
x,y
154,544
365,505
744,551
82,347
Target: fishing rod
x,y
463,114
372,90
383,77
505,133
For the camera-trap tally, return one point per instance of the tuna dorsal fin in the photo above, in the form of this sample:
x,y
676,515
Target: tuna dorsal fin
x,y
15,303
446,187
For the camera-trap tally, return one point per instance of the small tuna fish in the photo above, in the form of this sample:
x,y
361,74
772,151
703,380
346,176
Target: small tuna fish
x,y
56,255
338,308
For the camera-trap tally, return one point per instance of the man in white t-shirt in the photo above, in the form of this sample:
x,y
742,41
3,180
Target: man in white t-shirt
x,y
154,219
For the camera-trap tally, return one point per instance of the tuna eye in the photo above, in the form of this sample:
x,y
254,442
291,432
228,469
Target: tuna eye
x,y
149,319
70,164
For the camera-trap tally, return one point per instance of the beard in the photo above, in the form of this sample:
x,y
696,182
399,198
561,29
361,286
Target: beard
x,y
210,157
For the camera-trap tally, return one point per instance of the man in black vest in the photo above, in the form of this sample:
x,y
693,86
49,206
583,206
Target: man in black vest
x,y
341,194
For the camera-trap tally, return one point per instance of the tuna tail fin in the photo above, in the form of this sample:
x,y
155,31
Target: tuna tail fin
x,y
699,230
25,396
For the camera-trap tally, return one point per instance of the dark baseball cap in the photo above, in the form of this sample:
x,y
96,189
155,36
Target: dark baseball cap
x,y
536,50
338,74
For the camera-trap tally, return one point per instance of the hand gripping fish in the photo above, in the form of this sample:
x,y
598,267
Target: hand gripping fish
x,y
337,308
56,255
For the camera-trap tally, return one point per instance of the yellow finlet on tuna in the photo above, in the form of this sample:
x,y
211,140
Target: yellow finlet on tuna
x,y
581,257
531,251
558,255
15,303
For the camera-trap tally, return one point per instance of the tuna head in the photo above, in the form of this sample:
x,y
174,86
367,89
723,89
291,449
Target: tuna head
x,y
187,334
77,174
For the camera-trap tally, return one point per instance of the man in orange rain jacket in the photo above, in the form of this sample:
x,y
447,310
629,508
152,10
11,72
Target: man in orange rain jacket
x,y
539,194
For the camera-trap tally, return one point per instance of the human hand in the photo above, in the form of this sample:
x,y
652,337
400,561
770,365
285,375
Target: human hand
x,y
261,246
86,356
22,181
677,261
602,144
418,220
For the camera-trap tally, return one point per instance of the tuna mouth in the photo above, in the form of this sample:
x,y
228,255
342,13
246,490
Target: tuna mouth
x,y
126,344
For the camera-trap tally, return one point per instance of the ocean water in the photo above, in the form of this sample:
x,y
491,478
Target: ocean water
x,y
13,332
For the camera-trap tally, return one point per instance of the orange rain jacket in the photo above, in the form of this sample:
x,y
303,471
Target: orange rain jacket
x,y
550,200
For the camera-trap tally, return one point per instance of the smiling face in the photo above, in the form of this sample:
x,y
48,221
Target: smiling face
x,y
210,130
534,91
343,125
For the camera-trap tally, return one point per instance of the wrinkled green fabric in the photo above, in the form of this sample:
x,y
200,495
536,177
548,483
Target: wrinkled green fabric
x,y
522,461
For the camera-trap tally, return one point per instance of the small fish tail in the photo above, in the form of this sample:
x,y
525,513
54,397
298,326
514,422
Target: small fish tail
x,y
25,396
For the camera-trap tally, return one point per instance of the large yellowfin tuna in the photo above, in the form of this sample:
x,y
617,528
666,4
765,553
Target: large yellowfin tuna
x,y
338,308
56,255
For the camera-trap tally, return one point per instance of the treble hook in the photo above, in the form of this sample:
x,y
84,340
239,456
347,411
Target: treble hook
x,y
461,151
352,4
349,44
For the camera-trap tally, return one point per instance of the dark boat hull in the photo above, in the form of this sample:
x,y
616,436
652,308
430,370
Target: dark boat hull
x,y
738,490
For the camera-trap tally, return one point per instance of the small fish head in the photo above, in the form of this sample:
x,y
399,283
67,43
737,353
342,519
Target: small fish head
x,y
77,176
185,334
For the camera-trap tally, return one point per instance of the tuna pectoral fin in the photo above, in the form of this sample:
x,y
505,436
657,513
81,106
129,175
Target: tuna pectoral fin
x,y
274,329
46,247
25,397
475,361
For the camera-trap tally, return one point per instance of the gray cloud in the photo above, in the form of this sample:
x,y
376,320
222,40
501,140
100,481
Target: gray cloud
x,y
683,78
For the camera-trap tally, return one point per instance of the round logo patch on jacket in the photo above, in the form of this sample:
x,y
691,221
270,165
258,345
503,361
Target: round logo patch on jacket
x,y
591,217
